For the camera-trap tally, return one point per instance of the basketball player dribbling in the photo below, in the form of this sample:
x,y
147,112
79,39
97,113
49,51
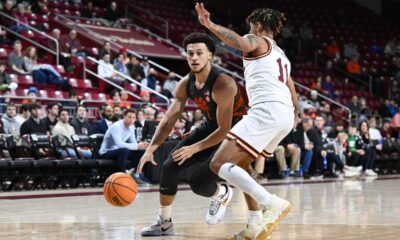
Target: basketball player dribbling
x,y
272,115
218,95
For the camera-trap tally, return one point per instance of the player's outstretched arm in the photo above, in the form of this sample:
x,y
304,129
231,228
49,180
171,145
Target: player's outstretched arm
x,y
294,99
247,43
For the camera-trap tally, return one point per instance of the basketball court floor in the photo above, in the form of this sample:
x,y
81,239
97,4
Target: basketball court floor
x,y
322,209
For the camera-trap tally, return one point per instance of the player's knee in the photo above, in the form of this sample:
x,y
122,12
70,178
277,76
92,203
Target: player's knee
x,y
215,165
168,167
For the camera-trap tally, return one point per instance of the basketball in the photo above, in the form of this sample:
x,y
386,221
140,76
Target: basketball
x,y
120,189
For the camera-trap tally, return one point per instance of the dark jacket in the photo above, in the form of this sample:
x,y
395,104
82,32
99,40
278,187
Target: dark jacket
x,y
81,127
100,126
312,135
289,139
49,125
30,126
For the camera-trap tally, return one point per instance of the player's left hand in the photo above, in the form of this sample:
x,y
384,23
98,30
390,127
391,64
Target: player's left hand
x,y
183,153
203,14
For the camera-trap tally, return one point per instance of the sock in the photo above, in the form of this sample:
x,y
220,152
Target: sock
x,y
254,217
165,212
241,179
222,189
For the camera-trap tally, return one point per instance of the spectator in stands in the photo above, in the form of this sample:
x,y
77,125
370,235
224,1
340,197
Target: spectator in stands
x,y
5,78
120,141
64,57
288,148
115,98
149,114
145,65
1,127
375,134
88,11
63,127
22,20
314,101
101,126
170,85
32,94
10,123
386,129
42,73
179,130
80,123
16,59
3,36
319,125
390,47
150,81
339,127
74,100
124,99
50,121
106,70
7,9
117,113
145,97
119,65
33,124
317,84
350,51
365,111
369,148
353,67
304,137
135,69
161,115
332,50
24,114
327,114
327,87
106,49
198,115
355,149
71,44
113,13
395,124
353,105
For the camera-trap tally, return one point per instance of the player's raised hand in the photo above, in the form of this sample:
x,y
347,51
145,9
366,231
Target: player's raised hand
x,y
203,14
147,157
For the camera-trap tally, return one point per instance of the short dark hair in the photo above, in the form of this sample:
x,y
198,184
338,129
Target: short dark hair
x,y
129,110
271,20
24,108
10,105
50,105
34,106
64,110
79,106
199,38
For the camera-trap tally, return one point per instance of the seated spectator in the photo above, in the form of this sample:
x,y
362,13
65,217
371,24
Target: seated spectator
x,y
124,99
317,84
22,20
88,11
117,113
119,65
332,50
33,124
145,98
338,129
64,57
170,85
8,8
350,51
16,59
288,148
145,65
106,49
32,94
369,148
178,131
3,36
314,99
384,109
50,120
395,124
150,81
353,67
113,13
375,134
5,78
63,127
24,114
120,141
326,112
364,109
71,44
80,123
327,87
115,98
355,148
42,73
386,130
101,126
10,123
149,114
135,69
106,70
353,105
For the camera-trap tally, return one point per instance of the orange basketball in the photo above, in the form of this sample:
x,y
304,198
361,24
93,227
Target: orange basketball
x,y
120,189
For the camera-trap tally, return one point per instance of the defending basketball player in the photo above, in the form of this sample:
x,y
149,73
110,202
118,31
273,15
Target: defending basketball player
x,y
272,114
221,100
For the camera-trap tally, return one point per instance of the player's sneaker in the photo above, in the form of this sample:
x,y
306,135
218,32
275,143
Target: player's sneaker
x,y
218,206
252,232
159,228
370,172
274,212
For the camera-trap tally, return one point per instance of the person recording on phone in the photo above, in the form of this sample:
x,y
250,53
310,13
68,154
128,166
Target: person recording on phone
x,y
120,143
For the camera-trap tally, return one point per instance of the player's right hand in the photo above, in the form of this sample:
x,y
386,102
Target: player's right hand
x,y
147,157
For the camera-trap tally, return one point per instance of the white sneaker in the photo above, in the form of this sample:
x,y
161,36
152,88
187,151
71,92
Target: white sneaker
x,y
349,173
275,212
252,232
370,172
217,209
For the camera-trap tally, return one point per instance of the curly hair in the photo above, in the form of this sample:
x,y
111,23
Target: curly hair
x,y
271,20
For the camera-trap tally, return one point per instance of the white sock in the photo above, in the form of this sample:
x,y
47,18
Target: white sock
x,y
241,179
165,212
254,217
221,191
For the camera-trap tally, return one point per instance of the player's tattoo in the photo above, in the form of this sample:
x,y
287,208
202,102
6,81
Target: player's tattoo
x,y
228,36
252,39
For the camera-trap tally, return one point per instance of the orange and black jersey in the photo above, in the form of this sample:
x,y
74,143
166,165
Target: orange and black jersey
x,y
203,98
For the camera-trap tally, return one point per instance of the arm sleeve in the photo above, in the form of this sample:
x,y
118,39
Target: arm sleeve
x,y
116,133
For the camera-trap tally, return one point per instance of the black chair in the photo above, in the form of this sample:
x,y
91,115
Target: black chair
x,y
4,162
87,167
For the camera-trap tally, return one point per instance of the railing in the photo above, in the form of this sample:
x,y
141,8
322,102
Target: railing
x,y
165,29
129,79
57,52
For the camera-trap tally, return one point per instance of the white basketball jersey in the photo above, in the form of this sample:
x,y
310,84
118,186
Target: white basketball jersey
x,y
267,75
